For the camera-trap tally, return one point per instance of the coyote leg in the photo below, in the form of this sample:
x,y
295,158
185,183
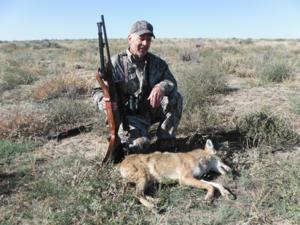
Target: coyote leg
x,y
147,201
193,182
220,187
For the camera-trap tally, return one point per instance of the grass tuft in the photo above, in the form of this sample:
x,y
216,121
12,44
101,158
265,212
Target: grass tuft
x,y
261,128
13,73
276,71
29,121
67,112
60,86
22,121
199,85
9,149
295,103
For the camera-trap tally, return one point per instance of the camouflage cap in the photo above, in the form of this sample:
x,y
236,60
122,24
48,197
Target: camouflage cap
x,y
142,27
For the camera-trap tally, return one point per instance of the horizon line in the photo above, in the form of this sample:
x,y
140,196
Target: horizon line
x,y
117,38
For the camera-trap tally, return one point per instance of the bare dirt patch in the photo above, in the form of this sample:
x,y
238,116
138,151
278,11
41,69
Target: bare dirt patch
x,y
245,99
89,145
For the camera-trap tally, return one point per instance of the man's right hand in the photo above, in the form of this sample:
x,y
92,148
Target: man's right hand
x,y
156,96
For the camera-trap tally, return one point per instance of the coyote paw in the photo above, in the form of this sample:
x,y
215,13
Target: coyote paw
x,y
209,197
152,200
230,196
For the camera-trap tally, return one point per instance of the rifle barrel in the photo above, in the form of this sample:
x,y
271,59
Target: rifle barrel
x,y
105,39
101,46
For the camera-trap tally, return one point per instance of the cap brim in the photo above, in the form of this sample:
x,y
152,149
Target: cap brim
x,y
141,32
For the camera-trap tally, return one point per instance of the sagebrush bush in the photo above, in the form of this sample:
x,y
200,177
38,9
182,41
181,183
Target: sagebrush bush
x,y
198,83
274,66
9,149
66,85
13,74
8,47
240,64
264,64
20,66
187,55
64,111
295,103
41,44
198,118
263,128
276,71
30,121
22,121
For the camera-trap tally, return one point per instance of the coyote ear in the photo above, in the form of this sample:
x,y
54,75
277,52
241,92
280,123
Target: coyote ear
x,y
209,145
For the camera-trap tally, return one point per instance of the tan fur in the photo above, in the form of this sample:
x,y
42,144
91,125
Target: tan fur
x,y
144,169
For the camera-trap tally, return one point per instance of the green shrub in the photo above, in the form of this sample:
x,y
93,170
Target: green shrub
x,y
8,150
14,76
18,121
202,118
8,47
187,55
45,44
260,128
274,66
295,103
278,182
66,85
17,70
276,71
33,121
199,83
68,111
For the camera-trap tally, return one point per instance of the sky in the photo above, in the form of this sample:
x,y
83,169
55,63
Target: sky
x,y
76,19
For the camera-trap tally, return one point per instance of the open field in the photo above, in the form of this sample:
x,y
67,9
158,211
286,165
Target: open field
x,y
244,94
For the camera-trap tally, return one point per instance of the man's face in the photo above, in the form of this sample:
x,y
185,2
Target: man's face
x,y
139,44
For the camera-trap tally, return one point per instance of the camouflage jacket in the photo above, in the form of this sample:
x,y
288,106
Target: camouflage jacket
x,y
141,76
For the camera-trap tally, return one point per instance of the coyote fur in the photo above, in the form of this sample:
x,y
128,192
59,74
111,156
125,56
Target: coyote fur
x,y
145,169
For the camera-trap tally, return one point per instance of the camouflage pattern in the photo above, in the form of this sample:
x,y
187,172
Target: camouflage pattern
x,y
137,82
142,27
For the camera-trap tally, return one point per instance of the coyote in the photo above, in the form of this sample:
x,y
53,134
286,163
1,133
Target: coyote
x,y
146,169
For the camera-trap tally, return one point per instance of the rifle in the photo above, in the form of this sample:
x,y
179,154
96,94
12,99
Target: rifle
x,y
111,97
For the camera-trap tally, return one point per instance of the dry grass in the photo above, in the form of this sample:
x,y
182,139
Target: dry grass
x,y
33,121
62,183
66,85
263,128
21,121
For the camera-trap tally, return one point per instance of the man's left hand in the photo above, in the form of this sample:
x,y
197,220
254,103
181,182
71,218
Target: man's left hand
x,y
156,96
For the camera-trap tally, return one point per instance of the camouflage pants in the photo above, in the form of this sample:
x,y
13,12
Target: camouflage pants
x,y
168,115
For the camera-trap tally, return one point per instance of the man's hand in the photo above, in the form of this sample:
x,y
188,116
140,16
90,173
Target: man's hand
x,y
156,96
